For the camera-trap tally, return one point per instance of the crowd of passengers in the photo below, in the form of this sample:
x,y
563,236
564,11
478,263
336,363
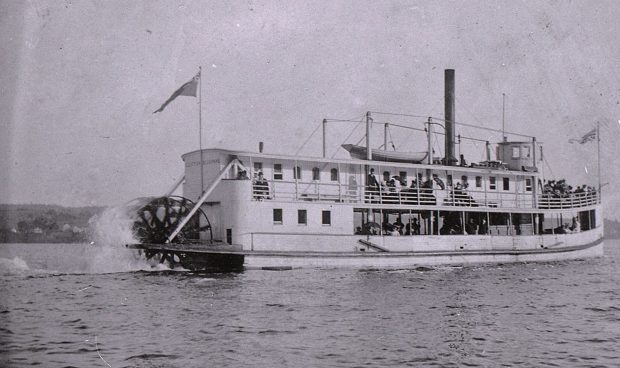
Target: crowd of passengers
x,y
561,189
395,229
451,226
395,185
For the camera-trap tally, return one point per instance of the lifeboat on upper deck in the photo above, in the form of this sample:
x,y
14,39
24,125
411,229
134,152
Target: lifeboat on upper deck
x,y
359,152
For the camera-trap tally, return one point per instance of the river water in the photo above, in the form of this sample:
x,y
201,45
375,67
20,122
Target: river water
x,y
80,305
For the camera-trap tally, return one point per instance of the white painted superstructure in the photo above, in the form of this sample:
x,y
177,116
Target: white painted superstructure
x,y
312,207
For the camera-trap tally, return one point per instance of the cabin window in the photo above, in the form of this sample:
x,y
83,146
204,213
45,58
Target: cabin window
x,y
326,218
506,183
316,173
478,181
277,215
258,166
277,172
492,184
464,181
515,152
528,184
449,180
526,150
302,217
297,173
334,174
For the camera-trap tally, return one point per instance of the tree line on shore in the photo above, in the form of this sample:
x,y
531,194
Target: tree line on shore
x,y
36,223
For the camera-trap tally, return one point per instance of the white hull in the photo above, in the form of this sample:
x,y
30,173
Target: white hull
x,y
408,260
445,251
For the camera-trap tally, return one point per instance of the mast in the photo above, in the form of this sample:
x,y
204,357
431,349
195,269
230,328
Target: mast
x,y
598,157
503,120
202,176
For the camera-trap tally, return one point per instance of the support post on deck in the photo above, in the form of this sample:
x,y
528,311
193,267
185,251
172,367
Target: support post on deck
x,y
385,136
430,143
324,136
368,128
488,147
533,178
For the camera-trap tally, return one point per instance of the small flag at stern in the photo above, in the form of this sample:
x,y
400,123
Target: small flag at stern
x,y
589,136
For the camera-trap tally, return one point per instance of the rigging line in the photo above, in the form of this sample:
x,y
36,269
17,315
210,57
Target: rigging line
x,y
438,147
473,117
399,125
483,128
352,120
437,102
395,114
391,139
340,121
302,146
462,137
548,166
332,156
347,138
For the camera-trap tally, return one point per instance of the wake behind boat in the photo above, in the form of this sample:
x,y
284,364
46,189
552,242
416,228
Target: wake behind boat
x,y
377,209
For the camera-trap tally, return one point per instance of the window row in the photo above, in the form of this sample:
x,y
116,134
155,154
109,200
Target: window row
x,y
464,181
302,217
278,173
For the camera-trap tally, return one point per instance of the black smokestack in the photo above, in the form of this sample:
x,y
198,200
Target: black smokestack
x,y
450,159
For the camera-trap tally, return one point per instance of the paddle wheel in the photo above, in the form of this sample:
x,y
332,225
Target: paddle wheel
x,y
157,218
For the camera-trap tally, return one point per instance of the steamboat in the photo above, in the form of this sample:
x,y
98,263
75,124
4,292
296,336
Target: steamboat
x,y
376,209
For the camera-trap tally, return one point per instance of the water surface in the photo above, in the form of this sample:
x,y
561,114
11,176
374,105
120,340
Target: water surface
x,y
76,305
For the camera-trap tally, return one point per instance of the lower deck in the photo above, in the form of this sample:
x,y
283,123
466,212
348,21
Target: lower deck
x,y
384,252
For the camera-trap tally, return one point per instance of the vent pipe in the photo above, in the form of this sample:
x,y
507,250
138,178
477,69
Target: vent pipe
x,y
450,159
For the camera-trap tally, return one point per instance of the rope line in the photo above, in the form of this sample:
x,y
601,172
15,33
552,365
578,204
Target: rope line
x,y
302,146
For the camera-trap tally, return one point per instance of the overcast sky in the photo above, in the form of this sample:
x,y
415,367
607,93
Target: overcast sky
x,y
81,79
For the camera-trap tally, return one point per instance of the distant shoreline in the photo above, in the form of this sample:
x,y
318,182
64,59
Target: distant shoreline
x,y
45,224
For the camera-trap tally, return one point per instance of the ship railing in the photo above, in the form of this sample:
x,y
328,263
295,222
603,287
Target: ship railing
x,y
288,190
407,196
291,190
571,200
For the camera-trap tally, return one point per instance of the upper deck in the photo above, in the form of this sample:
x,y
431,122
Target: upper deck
x,y
401,185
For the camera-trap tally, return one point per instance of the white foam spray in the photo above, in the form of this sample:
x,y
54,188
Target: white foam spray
x,y
13,266
110,232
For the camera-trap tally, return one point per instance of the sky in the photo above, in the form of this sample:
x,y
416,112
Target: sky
x,y
80,81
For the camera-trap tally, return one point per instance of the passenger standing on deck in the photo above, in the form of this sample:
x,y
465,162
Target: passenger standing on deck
x,y
261,187
576,225
415,227
372,184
